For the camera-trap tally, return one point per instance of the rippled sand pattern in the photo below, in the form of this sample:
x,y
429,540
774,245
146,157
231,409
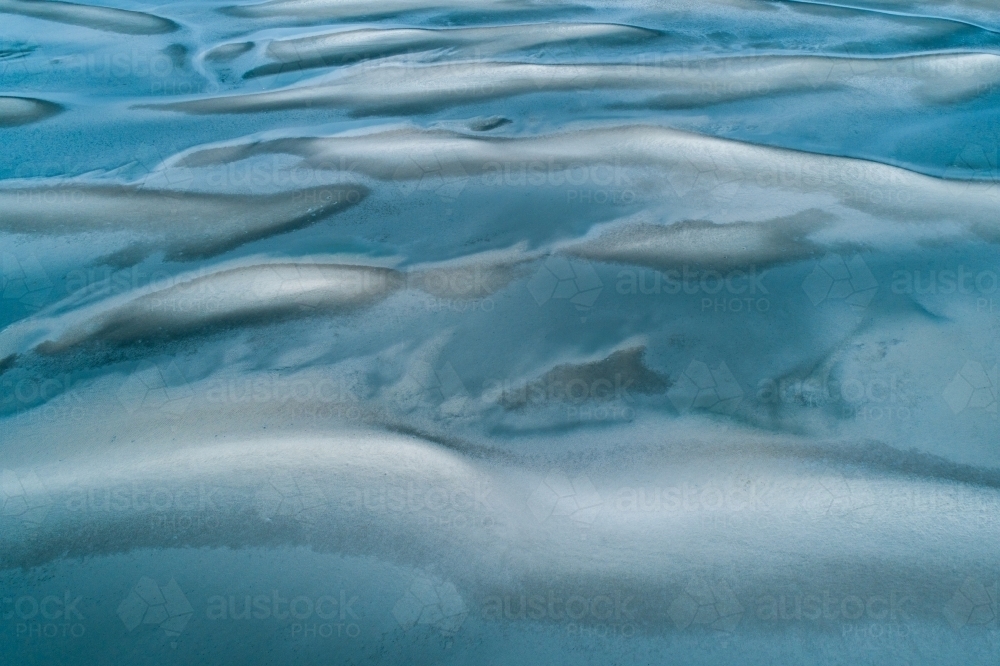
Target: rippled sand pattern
x,y
499,332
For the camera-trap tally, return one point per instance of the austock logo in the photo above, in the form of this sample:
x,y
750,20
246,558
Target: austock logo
x,y
440,172
973,605
973,388
148,603
558,496
23,498
702,387
298,497
22,279
148,166
566,279
976,161
159,387
427,386
708,605
834,278
433,603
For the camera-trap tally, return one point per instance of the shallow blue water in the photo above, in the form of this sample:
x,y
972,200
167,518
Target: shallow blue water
x,y
499,332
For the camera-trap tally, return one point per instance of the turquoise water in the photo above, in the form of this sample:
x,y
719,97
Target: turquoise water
x,y
500,332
